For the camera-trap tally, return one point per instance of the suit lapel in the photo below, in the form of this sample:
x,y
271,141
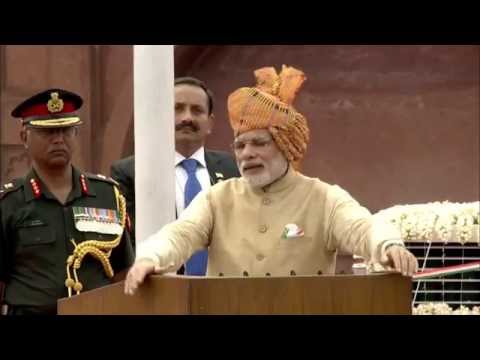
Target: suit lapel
x,y
212,167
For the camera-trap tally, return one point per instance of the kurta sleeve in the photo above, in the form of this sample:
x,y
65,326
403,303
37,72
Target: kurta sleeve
x,y
353,229
176,242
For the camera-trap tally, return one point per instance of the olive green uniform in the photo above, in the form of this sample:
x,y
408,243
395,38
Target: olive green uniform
x,y
36,233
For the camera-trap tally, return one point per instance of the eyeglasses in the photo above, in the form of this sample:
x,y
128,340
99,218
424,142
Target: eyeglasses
x,y
256,143
67,132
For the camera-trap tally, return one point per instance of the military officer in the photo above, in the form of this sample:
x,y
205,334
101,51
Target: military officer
x,y
62,230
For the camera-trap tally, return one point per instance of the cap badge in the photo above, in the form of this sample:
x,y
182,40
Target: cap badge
x,y
55,104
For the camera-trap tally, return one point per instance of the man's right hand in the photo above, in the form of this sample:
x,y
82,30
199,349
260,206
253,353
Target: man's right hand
x,y
137,274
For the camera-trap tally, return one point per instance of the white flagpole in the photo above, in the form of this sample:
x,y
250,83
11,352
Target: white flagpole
x,y
154,138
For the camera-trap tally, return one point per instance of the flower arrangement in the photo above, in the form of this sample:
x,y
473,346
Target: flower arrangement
x,y
444,309
438,221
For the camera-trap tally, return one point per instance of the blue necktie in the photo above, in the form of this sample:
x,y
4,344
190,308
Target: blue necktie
x,y
197,265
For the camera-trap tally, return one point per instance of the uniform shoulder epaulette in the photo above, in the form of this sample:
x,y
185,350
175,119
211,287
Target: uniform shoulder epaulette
x,y
101,177
9,187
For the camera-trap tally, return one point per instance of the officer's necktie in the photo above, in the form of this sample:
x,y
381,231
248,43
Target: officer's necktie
x,y
197,265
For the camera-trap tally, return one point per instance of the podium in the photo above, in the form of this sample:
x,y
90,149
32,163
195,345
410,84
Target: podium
x,y
177,295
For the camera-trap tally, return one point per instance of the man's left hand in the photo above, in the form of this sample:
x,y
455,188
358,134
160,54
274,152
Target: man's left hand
x,y
399,259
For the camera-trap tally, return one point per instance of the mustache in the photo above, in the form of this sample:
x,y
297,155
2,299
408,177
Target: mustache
x,y
187,124
58,149
246,166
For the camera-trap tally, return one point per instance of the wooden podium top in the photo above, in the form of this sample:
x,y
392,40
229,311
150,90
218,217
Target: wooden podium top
x,y
181,295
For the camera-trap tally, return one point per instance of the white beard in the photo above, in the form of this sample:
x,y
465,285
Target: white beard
x,y
278,169
260,180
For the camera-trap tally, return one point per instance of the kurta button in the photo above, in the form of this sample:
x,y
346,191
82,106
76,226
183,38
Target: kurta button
x,y
245,273
267,201
263,229
260,257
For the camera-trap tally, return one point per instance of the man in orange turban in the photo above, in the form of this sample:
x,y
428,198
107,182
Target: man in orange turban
x,y
269,106
273,221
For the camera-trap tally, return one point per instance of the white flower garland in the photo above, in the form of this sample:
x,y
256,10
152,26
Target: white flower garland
x,y
439,221
444,309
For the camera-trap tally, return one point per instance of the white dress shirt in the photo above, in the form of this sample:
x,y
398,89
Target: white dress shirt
x,y
181,177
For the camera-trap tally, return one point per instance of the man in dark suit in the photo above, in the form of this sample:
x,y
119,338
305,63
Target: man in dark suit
x,y
195,167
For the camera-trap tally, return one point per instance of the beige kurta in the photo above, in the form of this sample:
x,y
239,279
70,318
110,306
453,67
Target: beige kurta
x,y
244,229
